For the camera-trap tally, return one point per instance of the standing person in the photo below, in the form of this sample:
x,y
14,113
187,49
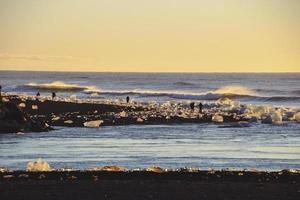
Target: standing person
x,y
53,95
192,106
127,99
0,94
200,107
37,95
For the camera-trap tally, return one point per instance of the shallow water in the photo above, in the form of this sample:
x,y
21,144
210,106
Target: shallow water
x,y
264,147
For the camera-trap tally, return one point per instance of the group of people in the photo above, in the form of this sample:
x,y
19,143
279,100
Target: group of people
x,y
192,106
38,95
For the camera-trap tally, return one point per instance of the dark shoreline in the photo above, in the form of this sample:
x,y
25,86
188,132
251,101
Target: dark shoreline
x,y
173,185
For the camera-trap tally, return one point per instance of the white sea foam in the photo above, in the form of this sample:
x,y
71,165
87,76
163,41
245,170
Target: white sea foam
x,y
61,86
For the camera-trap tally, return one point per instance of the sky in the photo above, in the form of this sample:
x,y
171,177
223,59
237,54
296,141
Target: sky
x,y
150,35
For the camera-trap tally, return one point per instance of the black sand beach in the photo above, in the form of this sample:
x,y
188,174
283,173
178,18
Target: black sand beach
x,y
174,185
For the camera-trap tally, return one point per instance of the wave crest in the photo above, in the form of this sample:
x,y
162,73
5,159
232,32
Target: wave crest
x,y
60,86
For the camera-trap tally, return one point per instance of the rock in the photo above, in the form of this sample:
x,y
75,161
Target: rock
x,y
13,120
266,119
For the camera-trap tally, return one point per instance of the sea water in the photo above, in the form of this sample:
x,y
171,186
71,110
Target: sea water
x,y
261,146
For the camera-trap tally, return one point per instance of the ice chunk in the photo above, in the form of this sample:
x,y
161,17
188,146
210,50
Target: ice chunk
x,y
93,124
123,114
55,118
297,117
155,169
38,165
276,117
22,105
113,168
34,107
217,118
139,119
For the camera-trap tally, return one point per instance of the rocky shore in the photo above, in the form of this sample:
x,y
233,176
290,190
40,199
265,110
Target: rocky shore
x,y
79,113
14,120
182,184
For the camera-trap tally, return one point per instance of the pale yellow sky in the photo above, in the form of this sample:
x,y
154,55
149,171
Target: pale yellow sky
x,y
150,35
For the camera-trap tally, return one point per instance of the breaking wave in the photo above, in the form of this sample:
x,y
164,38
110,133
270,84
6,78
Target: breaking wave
x,y
233,92
60,86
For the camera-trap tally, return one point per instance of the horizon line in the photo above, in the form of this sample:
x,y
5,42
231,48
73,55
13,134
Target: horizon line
x,y
186,72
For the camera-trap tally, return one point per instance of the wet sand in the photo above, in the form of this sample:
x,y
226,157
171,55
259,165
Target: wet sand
x,y
239,185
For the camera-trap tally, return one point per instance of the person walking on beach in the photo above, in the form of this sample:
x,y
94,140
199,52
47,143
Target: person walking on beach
x,y
200,107
53,95
192,106
127,99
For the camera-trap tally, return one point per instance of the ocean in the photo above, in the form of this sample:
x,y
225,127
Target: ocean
x,y
261,146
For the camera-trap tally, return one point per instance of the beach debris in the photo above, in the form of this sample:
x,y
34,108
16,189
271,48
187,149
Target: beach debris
x,y
39,165
93,124
22,105
34,107
112,168
155,169
68,122
217,118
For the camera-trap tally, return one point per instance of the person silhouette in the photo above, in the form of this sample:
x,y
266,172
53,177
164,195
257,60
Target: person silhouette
x,y
37,95
53,95
200,107
192,106
127,99
0,93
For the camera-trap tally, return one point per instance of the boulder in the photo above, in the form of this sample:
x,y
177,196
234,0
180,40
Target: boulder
x,y
14,120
